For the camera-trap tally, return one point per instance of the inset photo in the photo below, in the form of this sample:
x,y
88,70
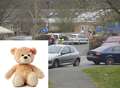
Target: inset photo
x,y
24,64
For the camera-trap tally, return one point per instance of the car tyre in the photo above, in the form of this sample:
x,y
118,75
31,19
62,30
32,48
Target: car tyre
x,y
77,62
109,61
96,62
56,64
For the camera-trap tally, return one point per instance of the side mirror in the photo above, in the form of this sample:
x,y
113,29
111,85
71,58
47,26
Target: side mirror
x,y
62,53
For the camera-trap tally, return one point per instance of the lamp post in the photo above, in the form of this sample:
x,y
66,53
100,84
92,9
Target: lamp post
x,y
34,16
48,7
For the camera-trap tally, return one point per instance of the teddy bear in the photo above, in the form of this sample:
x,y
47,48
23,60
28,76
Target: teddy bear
x,y
24,72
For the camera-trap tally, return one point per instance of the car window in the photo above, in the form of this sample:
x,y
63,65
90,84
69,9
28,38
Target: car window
x,y
81,36
108,50
72,36
116,49
56,36
66,50
72,50
54,49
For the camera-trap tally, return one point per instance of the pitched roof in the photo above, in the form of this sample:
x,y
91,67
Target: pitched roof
x,y
4,30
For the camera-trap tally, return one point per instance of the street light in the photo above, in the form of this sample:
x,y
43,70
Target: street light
x,y
48,3
48,6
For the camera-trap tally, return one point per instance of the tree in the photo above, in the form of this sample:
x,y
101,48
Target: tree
x,y
114,5
65,20
7,7
66,10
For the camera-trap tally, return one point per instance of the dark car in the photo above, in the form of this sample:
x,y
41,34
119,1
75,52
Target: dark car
x,y
108,54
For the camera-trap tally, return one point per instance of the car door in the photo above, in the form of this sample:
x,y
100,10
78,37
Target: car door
x,y
65,56
116,53
73,54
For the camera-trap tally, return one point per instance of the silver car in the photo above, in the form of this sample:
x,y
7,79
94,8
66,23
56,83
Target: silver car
x,y
63,55
77,38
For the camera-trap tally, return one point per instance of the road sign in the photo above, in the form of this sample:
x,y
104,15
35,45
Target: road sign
x,y
98,29
44,30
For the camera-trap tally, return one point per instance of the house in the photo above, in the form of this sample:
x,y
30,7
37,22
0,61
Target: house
x,y
4,32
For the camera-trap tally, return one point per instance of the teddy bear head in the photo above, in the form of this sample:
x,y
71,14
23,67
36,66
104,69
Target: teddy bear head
x,y
23,55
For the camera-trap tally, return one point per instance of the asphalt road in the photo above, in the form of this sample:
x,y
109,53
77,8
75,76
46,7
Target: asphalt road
x,y
72,77
82,48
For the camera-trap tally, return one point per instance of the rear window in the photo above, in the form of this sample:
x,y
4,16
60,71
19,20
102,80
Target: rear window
x,y
56,36
82,36
73,36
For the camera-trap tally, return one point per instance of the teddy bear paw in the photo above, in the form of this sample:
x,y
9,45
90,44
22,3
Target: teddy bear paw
x,y
18,81
32,80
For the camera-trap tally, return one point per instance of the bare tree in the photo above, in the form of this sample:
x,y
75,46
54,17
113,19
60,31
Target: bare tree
x,y
114,5
7,7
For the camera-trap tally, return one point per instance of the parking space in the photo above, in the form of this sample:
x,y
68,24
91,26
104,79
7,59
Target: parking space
x,y
72,77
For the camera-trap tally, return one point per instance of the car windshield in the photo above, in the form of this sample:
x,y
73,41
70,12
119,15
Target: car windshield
x,y
72,36
81,36
54,49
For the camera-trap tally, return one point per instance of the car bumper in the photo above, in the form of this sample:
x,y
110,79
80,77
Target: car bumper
x,y
93,58
83,41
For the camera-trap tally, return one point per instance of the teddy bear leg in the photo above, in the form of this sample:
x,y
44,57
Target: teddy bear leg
x,y
32,79
18,81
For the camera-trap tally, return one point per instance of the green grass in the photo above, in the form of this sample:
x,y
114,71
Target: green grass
x,y
50,85
105,76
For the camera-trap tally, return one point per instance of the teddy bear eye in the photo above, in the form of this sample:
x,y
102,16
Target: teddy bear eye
x,y
28,54
22,55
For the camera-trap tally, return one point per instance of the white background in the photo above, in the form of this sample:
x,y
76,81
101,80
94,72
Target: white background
x,y
7,60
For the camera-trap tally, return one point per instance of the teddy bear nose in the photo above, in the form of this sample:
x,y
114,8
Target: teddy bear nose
x,y
25,57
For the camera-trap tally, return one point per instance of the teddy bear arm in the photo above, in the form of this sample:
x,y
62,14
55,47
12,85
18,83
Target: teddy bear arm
x,y
10,72
38,72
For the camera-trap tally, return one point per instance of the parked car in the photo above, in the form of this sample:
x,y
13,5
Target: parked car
x,y
108,54
63,39
63,54
48,37
112,39
19,38
83,39
77,38
56,35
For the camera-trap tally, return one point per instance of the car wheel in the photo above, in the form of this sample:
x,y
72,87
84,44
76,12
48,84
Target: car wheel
x,y
109,61
97,62
56,64
77,62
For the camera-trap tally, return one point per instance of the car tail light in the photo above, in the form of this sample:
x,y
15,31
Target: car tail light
x,y
98,53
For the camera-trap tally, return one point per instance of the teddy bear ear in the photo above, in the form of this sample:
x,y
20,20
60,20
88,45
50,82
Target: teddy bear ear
x,y
13,50
33,50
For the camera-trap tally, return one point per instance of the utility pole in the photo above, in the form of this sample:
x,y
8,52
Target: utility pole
x,y
36,11
48,7
35,18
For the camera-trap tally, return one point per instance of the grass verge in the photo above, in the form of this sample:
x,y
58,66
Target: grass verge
x,y
50,85
105,76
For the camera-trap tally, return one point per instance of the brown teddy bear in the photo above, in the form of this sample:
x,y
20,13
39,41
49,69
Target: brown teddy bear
x,y
25,73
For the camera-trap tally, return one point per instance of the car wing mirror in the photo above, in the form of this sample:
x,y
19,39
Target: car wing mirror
x,y
62,53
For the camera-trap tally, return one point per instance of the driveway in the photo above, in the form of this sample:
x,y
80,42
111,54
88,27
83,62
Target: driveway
x,y
71,77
